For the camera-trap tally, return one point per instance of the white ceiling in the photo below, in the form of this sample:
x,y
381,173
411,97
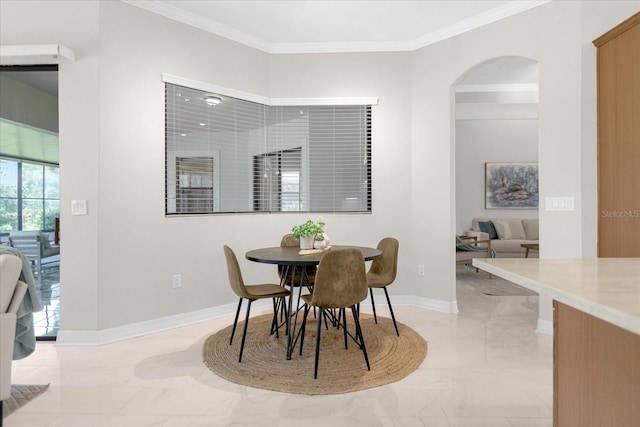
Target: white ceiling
x,y
296,26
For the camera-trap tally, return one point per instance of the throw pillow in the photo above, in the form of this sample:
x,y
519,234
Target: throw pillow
x,y
503,230
487,227
44,241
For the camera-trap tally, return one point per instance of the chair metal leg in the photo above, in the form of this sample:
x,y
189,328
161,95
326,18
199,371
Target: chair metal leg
x,y
274,321
235,321
304,326
244,332
343,315
318,330
373,305
356,320
391,310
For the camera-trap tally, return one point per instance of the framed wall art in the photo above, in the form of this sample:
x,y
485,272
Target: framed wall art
x,y
511,185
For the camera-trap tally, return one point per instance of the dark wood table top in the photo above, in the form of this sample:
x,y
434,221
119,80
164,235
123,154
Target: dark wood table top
x,y
290,256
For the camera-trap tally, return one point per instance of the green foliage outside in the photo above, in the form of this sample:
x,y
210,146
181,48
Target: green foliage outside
x,y
40,196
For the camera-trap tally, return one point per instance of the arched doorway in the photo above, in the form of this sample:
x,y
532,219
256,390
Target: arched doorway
x,y
496,122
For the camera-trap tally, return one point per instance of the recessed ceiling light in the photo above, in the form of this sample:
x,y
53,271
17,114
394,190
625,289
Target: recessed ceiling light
x,y
183,134
212,100
202,124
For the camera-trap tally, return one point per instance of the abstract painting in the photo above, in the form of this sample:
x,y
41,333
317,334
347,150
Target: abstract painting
x,y
511,185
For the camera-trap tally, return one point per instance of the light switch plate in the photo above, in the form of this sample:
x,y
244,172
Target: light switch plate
x,y
559,204
78,207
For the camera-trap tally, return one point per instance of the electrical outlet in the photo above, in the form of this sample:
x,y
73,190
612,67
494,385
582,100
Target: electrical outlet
x,y
420,269
177,281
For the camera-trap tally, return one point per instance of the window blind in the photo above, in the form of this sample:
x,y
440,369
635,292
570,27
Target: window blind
x,y
243,156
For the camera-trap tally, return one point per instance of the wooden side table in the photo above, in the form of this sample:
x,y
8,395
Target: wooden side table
x,y
532,246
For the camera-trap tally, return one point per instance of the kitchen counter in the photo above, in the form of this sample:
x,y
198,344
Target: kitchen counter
x,y
606,288
596,340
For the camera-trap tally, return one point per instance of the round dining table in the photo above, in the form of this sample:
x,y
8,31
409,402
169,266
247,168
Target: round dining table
x,y
294,259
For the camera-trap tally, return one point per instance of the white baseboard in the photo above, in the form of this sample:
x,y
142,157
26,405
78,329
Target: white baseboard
x,y
545,327
120,333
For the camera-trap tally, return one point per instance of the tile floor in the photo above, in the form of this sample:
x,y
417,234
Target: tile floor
x,y
485,367
47,322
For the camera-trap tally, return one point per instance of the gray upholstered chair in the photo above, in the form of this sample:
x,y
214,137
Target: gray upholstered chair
x,y
340,283
251,293
383,272
12,291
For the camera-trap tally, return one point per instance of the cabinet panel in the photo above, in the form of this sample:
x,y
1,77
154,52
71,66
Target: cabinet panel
x,y
619,140
596,371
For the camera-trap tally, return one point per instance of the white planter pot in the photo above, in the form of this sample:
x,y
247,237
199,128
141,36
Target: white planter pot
x,y
306,242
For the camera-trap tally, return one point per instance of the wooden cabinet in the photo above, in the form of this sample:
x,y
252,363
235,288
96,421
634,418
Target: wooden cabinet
x,y
619,140
596,371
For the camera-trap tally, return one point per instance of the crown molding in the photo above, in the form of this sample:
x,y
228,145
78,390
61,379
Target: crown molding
x,y
177,14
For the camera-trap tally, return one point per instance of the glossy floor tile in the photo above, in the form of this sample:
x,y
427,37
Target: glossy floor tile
x,y
47,322
485,367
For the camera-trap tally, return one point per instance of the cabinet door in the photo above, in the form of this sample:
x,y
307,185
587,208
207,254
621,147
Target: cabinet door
x,y
619,140
596,376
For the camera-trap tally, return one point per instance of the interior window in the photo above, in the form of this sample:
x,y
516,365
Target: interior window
x,y
264,158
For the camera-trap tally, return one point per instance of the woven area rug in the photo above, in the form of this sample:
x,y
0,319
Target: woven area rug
x,y
492,286
20,396
264,364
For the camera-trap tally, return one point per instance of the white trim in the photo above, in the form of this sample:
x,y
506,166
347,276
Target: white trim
x,y
370,100
120,333
221,90
493,15
504,87
495,111
214,89
222,30
34,53
545,327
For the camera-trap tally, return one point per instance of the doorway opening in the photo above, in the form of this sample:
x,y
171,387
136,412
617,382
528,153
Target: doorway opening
x,y
496,126
29,180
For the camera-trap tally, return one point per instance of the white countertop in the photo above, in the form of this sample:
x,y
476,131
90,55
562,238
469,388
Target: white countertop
x,y
606,288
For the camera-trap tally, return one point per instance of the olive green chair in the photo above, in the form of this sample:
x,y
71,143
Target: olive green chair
x,y
340,282
383,272
251,293
305,276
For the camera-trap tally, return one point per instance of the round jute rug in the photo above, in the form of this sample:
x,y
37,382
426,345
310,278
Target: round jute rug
x,y
264,364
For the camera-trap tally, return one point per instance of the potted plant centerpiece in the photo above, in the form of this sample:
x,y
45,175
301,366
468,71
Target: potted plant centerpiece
x,y
307,233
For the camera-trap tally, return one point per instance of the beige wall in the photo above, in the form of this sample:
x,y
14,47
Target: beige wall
x,y
478,142
118,260
24,104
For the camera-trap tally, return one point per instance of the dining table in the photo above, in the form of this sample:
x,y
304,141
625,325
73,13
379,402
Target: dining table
x,y
298,262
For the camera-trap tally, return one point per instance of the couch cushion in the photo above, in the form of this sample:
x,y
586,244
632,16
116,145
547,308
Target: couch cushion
x,y
488,227
510,246
503,229
531,228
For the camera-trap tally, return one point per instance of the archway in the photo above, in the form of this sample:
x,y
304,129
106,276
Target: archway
x,y
496,122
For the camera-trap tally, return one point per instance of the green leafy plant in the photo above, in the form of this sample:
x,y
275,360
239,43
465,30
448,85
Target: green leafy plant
x,y
309,228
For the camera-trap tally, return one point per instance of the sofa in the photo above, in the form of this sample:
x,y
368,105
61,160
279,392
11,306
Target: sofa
x,y
506,235
12,292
